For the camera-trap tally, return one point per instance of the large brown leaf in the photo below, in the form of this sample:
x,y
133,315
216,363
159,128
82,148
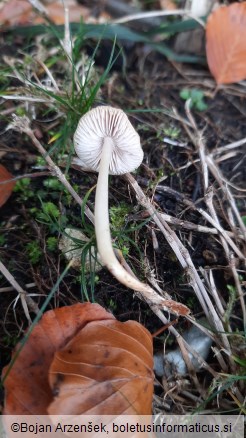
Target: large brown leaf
x,y
79,359
106,369
27,389
18,12
226,43
5,188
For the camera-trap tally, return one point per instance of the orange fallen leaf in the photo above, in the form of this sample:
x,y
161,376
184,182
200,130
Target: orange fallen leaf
x,y
226,43
15,12
106,369
77,356
5,188
27,390
20,12
55,12
168,5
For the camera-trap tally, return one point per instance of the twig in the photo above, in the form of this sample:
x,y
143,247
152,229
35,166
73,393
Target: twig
x,y
208,163
181,252
228,147
219,178
174,332
26,300
150,14
11,288
191,226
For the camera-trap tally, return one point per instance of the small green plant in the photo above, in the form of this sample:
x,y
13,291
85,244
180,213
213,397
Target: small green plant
x,y
196,97
112,305
49,211
51,243
172,132
53,184
22,187
9,341
118,216
34,252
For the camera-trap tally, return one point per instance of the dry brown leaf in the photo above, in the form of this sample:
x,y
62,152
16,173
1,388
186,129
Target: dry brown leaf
x,y
226,43
27,389
168,5
5,188
55,12
112,362
15,12
106,369
19,12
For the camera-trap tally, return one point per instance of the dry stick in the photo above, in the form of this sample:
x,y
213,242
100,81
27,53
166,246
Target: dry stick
x,y
150,14
11,288
22,124
182,343
208,192
207,332
25,298
227,147
222,232
180,340
199,144
220,359
208,195
181,252
231,261
217,174
214,293
190,225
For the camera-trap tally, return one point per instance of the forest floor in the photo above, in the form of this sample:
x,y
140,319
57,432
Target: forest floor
x,y
193,173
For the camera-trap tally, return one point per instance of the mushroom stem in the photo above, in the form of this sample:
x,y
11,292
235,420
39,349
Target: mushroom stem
x,y
102,228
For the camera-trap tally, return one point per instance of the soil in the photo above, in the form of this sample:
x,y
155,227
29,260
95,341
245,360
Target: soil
x,y
149,82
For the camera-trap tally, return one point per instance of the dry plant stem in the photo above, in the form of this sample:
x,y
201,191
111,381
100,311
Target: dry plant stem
x,y
151,14
11,288
189,225
189,365
214,293
22,124
180,251
26,300
222,232
231,260
239,288
208,163
182,343
192,206
67,42
104,242
184,258
49,74
227,147
199,144
219,178
220,359
180,340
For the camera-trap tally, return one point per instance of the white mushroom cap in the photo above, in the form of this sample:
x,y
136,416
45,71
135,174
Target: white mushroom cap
x,y
107,122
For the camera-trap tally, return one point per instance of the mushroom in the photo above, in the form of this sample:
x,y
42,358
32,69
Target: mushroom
x,y
105,141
